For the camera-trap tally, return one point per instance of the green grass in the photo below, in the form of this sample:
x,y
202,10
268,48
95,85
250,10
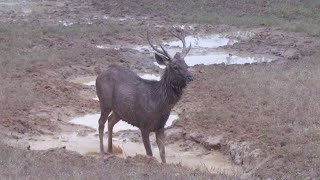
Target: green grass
x,y
214,18
16,39
290,15
311,26
285,9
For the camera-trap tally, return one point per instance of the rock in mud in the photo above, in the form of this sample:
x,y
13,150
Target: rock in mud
x,y
194,136
213,142
292,54
174,134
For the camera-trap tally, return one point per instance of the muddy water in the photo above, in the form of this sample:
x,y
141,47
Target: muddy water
x,y
220,58
17,5
128,142
212,41
91,120
26,6
88,80
194,158
204,50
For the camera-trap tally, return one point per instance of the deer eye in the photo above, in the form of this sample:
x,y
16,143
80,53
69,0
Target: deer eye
x,y
175,67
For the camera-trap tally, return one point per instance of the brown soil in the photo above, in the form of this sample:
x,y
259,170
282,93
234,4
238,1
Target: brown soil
x,y
265,116
62,164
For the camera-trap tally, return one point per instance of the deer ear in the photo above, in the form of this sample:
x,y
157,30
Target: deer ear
x,y
161,60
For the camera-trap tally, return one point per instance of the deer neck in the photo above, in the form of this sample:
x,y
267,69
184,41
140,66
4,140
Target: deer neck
x,y
170,91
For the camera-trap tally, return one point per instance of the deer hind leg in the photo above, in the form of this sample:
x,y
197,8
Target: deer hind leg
x,y
160,138
102,120
146,142
112,120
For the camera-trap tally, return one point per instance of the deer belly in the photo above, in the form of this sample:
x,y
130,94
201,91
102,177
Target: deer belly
x,y
128,117
152,122
127,114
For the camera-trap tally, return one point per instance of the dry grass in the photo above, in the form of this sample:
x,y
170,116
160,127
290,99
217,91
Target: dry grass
x,y
274,106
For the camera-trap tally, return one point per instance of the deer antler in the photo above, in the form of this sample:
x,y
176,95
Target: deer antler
x,y
163,52
181,36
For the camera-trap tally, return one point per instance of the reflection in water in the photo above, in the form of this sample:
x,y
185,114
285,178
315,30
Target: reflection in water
x,y
212,41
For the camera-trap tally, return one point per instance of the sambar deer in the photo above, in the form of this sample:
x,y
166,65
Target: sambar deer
x,y
143,103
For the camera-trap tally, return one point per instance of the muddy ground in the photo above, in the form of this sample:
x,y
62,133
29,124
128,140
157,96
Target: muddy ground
x,y
263,116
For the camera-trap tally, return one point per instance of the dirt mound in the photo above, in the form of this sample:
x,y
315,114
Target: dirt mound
x,y
61,164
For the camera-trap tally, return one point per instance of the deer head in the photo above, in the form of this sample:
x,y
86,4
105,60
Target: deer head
x,y
175,66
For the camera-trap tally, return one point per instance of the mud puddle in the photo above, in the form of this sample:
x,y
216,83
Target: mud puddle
x,y
211,41
87,80
194,157
27,6
220,58
91,120
18,6
204,49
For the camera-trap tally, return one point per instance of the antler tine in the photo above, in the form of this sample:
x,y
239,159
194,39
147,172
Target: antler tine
x,y
186,51
181,36
163,52
153,47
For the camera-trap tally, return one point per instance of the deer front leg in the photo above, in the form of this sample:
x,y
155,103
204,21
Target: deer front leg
x,y
160,142
146,142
